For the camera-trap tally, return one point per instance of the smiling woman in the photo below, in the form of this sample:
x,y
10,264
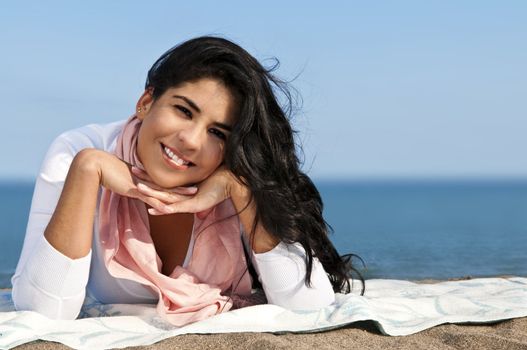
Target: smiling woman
x,y
177,204
184,130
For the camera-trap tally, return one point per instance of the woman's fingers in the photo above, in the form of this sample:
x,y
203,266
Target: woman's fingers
x,y
212,191
164,196
145,179
201,202
156,204
186,206
188,191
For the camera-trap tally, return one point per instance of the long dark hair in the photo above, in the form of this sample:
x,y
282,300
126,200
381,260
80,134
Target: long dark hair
x,y
260,151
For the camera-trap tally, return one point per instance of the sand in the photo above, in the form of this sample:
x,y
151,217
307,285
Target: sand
x,y
509,335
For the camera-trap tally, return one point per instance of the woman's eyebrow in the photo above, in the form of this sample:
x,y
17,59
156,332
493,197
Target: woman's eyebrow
x,y
223,126
195,107
189,101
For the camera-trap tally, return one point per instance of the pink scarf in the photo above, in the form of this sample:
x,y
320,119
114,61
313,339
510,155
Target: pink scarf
x,y
217,264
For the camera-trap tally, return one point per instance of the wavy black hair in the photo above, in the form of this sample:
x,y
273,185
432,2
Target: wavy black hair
x,y
260,151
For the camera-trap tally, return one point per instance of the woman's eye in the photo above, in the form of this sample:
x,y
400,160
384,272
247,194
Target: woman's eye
x,y
218,134
184,110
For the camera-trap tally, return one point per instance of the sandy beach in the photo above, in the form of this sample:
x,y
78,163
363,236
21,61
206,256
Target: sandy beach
x,y
511,335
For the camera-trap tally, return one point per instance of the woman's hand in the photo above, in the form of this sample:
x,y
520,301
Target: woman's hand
x,y
211,191
216,188
124,179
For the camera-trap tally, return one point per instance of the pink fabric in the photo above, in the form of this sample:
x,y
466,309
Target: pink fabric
x,y
217,265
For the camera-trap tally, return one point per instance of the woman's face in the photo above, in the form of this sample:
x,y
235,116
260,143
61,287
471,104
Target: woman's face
x,y
182,138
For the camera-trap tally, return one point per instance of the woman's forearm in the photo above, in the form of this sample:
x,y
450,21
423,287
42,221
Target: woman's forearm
x,y
70,229
263,240
282,279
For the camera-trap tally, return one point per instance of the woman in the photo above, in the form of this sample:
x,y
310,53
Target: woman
x,y
158,209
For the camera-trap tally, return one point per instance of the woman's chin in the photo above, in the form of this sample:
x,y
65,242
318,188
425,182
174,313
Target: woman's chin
x,y
165,181
170,179
171,182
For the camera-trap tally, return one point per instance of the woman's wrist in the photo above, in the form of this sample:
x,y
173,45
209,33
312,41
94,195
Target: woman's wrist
x,y
238,192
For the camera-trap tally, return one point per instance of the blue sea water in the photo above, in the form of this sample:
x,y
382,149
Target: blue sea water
x,y
403,230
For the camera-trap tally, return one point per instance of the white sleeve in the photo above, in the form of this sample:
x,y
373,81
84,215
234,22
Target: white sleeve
x,y
282,272
45,280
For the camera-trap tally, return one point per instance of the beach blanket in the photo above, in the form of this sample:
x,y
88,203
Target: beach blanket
x,y
396,307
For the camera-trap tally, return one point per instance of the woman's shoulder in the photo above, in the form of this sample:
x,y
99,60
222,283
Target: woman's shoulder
x,y
63,149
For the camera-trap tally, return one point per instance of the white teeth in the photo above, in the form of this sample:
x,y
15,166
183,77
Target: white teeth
x,y
175,158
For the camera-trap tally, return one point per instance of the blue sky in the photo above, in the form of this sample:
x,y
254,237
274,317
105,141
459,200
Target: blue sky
x,y
390,88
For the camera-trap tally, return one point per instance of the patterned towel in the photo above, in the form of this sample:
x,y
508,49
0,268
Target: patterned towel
x,y
397,307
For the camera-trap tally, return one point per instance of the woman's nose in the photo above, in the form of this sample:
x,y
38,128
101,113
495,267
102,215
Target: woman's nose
x,y
191,137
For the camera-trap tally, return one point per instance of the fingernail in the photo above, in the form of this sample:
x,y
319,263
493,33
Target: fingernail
x,y
142,186
191,189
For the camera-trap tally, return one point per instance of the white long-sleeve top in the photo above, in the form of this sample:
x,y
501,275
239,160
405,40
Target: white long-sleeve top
x,y
55,285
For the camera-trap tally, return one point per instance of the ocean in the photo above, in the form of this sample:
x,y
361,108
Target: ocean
x,y
401,229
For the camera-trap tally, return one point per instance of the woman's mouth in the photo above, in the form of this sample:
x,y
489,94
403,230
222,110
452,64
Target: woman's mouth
x,y
174,160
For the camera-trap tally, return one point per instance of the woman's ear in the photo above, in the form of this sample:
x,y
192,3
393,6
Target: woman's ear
x,y
144,104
